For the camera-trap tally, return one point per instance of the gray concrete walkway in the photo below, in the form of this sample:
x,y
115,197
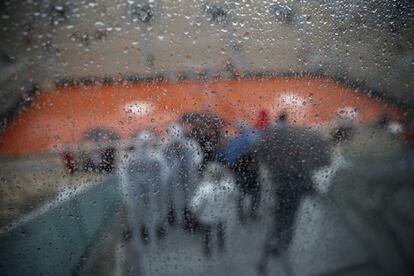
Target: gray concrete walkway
x,y
323,244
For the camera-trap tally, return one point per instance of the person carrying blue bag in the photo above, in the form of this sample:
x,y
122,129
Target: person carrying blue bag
x,y
239,155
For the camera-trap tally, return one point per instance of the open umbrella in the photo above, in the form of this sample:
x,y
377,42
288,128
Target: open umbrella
x,y
101,134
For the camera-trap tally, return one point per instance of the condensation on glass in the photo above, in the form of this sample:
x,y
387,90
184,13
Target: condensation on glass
x,y
154,137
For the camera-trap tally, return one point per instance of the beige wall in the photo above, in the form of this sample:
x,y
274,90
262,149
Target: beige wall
x,y
341,39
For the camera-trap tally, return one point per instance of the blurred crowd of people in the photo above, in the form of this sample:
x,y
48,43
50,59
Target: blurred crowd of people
x,y
199,177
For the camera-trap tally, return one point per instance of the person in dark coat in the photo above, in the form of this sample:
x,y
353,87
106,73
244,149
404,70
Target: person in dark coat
x,y
241,157
291,154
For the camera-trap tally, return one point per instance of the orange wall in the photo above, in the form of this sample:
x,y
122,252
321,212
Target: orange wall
x,y
62,115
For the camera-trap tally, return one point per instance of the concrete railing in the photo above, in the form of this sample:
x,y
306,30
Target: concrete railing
x,y
54,239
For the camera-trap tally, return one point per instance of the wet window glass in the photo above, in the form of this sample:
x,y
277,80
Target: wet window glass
x,y
206,137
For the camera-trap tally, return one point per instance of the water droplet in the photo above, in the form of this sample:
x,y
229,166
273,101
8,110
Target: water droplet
x,y
99,24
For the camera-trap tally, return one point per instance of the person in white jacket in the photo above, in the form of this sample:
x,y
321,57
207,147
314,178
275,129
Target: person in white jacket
x,y
143,175
215,204
184,157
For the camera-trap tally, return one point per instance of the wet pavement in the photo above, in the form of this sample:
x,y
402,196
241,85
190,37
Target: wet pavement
x,y
329,239
324,243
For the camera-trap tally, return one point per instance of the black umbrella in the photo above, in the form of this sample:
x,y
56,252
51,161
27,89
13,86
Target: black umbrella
x,y
293,149
202,119
101,134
